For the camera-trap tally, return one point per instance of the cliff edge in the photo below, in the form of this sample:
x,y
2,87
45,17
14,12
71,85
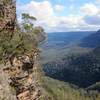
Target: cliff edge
x,y
19,56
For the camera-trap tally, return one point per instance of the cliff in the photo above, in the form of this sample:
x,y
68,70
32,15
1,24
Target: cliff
x,y
19,56
7,15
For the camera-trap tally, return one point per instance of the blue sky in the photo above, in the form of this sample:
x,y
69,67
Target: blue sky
x,y
62,15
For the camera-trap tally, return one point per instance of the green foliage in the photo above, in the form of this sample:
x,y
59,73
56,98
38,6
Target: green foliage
x,y
28,22
27,16
17,42
9,44
64,91
28,27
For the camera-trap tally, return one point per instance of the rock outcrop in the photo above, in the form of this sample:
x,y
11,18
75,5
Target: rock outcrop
x,y
23,77
19,75
7,15
7,26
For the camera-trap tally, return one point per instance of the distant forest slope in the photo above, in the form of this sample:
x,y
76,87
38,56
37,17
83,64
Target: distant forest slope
x,y
92,40
82,70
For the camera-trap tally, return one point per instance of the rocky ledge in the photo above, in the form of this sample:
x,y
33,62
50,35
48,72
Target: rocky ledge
x,y
21,75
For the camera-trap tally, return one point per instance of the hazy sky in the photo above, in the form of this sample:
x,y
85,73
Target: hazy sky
x,y
62,15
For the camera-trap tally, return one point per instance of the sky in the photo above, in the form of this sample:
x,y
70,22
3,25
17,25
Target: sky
x,y
62,15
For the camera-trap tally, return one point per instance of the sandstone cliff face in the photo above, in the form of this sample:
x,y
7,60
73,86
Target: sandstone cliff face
x,y
5,89
7,14
7,21
23,77
19,75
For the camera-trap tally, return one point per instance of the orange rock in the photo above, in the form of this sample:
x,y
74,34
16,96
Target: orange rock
x,y
30,80
23,95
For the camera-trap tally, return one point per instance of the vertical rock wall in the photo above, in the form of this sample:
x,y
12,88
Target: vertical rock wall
x,y
7,14
20,76
20,73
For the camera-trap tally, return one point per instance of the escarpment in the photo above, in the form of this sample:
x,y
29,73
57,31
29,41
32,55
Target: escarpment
x,y
20,72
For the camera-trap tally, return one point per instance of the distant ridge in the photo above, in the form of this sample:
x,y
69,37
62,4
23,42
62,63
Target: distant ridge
x,y
91,41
